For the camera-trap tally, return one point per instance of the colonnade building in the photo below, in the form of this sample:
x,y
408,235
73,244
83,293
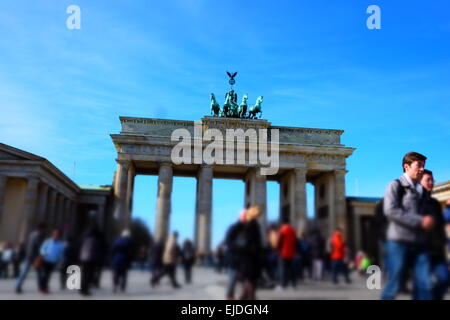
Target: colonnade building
x,y
32,189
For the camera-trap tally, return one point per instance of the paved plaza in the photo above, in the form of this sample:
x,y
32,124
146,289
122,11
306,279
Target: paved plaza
x,y
207,285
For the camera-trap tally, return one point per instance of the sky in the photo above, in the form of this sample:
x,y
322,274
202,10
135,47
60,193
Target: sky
x,y
315,62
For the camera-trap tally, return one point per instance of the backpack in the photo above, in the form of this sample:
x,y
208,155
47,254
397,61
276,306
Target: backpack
x,y
380,218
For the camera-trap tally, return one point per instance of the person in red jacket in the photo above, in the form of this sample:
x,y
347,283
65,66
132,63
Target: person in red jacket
x,y
338,251
287,248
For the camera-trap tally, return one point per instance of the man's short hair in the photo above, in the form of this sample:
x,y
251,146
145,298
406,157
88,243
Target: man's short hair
x,y
410,157
428,172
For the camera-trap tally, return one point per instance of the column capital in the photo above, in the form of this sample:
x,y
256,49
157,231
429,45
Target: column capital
x,y
165,164
32,185
259,176
256,173
52,190
205,172
3,179
300,172
165,170
126,164
32,178
248,173
340,172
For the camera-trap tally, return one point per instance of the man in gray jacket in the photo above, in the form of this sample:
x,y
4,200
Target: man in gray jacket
x,y
405,205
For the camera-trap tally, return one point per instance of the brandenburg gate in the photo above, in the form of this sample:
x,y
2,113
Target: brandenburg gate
x,y
146,146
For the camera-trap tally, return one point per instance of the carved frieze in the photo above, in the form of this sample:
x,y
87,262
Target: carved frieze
x,y
288,135
325,159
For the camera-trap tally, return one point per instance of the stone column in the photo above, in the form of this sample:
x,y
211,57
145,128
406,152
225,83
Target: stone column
x,y
357,232
60,211
281,200
331,197
322,205
319,225
121,196
42,204
261,200
256,194
56,213
29,208
204,210
101,216
299,199
3,180
340,204
130,191
64,218
163,205
293,198
72,219
249,189
50,212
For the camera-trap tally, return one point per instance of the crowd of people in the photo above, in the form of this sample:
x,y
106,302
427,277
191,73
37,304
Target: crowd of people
x,y
10,259
46,252
283,259
413,232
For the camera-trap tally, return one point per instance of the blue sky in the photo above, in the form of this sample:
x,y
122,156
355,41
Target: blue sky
x,y
315,62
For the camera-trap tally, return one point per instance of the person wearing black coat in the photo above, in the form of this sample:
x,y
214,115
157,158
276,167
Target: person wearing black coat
x,y
188,259
121,260
233,251
251,259
317,250
91,257
437,240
